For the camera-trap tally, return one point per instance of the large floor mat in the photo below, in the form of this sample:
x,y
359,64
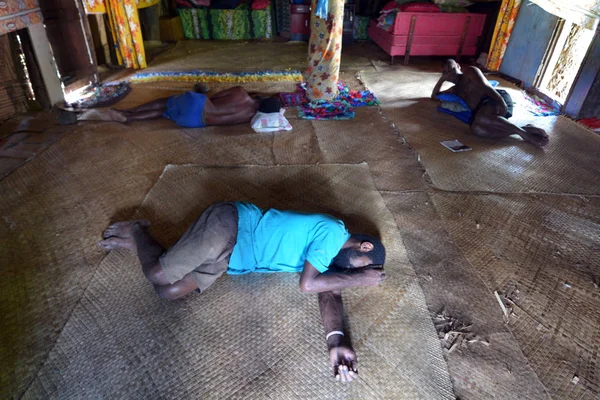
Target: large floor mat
x,y
542,254
54,207
490,364
253,335
507,165
227,56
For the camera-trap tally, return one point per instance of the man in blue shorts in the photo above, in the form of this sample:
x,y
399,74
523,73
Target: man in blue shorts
x,y
195,110
190,110
239,238
490,108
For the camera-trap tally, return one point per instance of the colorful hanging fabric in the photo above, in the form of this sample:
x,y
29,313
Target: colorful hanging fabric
x,y
325,50
341,107
126,33
99,6
504,26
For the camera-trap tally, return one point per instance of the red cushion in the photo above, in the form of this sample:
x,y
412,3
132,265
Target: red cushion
x,y
389,6
419,7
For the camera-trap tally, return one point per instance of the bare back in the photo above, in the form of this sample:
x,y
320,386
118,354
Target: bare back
x,y
472,86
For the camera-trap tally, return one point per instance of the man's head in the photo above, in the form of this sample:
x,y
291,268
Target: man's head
x,y
270,105
360,251
451,69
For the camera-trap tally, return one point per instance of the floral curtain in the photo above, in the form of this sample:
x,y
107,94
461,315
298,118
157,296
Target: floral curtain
x,y
504,26
98,7
126,32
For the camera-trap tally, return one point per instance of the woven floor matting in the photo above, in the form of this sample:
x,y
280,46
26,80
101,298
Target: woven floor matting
x,y
454,288
507,165
240,55
538,250
54,207
253,336
543,254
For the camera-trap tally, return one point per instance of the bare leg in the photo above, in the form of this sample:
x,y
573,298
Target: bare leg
x,y
489,125
159,104
134,235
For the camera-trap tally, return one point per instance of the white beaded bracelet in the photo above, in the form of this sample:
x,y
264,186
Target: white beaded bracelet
x,y
334,333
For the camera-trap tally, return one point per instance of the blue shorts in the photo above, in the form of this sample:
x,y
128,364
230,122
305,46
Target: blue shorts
x,y
187,109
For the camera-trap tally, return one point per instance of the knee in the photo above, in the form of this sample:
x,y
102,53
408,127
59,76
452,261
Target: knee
x,y
478,127
155,274
169,292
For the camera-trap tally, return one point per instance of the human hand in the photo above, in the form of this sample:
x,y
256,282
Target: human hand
x,y
446,75
372,275
343,363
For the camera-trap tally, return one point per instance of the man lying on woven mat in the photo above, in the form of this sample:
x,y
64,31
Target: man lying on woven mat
x,y
488,108
239,238
190,110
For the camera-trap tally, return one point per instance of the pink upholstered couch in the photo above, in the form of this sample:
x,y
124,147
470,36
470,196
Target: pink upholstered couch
x,y
430,34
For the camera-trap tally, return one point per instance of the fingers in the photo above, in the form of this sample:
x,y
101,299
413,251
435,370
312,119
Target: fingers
x,y
344,374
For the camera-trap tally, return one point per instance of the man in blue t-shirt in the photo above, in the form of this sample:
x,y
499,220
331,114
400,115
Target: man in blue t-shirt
x,y
239,238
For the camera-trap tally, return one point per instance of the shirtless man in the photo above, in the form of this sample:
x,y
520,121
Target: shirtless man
x,y
191,109
489,106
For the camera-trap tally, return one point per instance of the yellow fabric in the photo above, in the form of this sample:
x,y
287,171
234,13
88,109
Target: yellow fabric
x,y
126,33
504,26
98,6
325,52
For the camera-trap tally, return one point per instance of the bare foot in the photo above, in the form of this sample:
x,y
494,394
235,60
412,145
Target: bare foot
x,y
123,229
106,114
117,116
536,136
117,243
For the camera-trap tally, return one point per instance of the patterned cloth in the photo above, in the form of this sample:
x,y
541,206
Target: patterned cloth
x,y
15,15
283,15
236,24
504,26
537,106
361,26
102,95
99,6
14,22
341,107
126,33
326,110
325,50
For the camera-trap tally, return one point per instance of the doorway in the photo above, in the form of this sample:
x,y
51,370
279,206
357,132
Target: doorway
x,y
69,35
563,59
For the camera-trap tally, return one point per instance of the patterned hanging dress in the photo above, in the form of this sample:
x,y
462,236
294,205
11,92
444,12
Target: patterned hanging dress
x,y
325,52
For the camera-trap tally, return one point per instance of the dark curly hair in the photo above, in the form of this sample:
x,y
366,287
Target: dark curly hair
x,y
377,255
270,105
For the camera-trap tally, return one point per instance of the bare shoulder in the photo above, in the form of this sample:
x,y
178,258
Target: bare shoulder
x,y
472,71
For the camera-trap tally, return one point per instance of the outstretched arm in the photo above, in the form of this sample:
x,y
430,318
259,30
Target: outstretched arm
x,y
313,281
341,355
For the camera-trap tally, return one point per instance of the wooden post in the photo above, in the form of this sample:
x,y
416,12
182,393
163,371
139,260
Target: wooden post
x,y
411,30
463,38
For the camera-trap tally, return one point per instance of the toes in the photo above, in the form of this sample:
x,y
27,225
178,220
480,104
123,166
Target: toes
x,y
123,229
115,243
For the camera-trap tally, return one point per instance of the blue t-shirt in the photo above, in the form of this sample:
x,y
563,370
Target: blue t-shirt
x,y
280,241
